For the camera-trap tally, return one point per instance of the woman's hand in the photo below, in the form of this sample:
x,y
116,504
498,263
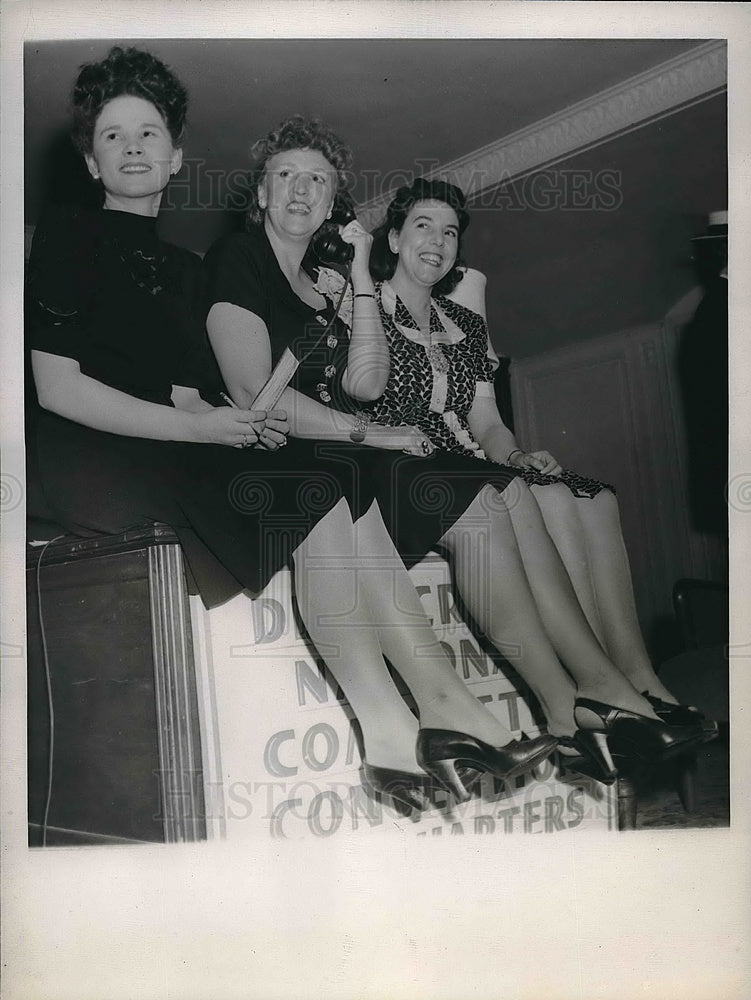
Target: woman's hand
x,y
354,234
410,440
541,461
229,426
275,431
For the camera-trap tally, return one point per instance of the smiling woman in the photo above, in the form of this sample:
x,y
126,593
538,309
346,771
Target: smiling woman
x,y
442,381
427,244
132,154
132,141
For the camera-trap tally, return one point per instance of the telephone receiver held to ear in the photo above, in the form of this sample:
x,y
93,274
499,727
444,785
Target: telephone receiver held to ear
x,y
328,247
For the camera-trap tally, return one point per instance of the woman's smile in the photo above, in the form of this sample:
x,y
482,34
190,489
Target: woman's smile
x,y
433,259
297,191
427,243
132,154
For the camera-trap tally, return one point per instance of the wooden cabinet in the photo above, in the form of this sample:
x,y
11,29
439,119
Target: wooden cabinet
x,y
125,760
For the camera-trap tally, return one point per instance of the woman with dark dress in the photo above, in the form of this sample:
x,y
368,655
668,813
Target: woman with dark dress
x,y
119,353
442,382
124,436
267,293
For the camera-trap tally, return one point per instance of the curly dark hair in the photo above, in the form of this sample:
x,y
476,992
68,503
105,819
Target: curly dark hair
x,y
383,262
132,72
298,132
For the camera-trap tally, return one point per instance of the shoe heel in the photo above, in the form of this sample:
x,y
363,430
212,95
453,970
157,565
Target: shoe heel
x,y
444,771
596,745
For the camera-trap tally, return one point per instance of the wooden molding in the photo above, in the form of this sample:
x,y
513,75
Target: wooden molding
x,y
689,78
180,766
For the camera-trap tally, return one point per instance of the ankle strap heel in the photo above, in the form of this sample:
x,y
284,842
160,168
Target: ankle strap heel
x,y
630,735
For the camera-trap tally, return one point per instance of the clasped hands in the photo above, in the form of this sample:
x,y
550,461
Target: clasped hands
x,y
245,428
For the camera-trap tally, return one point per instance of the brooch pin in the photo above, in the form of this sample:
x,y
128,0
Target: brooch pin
x,y
438,359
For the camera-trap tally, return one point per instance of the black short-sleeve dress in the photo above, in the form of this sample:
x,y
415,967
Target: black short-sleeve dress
x,y
103,290
420,499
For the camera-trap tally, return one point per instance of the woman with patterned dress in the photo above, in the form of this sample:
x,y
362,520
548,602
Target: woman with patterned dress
x,y
268,293
442,382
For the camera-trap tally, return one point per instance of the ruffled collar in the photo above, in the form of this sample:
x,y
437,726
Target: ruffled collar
x,y
443,330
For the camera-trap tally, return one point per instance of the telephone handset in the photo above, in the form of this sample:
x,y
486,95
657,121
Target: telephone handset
x,y
328,247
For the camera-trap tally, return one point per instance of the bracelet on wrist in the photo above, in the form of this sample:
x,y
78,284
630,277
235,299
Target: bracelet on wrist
x,y
364,295
516,451
358,432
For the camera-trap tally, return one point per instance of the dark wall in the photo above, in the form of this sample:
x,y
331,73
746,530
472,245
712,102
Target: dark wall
x,y
559,273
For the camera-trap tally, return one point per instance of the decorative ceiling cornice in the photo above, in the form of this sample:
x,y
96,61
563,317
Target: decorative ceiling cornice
x,y
665,89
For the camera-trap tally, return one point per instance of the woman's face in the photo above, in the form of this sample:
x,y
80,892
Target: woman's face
x,y
427,243
297,191
132,152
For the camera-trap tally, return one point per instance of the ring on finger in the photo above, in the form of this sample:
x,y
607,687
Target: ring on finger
x,y
245,441
426,447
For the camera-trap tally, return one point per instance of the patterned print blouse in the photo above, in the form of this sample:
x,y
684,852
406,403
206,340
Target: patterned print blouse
x,y
435,378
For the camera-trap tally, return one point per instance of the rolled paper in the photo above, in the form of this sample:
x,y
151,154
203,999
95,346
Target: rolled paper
x,y
277,382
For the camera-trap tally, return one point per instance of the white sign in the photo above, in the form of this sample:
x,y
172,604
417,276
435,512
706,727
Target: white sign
x,y
280,747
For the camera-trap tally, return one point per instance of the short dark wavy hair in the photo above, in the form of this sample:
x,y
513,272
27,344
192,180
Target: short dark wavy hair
x,y
132,72
297,132
383,262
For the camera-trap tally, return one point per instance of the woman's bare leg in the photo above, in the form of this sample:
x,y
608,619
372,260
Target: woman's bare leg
x,y
561,519
588,536
489,575
510,576
334,609
611,573
358,602
406,637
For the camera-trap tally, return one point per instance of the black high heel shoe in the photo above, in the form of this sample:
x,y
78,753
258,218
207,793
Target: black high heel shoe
x,y
628,735
413,792
683,715
410,790
440,751
583,760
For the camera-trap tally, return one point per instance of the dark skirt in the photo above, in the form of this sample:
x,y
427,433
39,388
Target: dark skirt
x,y
239,514
422,498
